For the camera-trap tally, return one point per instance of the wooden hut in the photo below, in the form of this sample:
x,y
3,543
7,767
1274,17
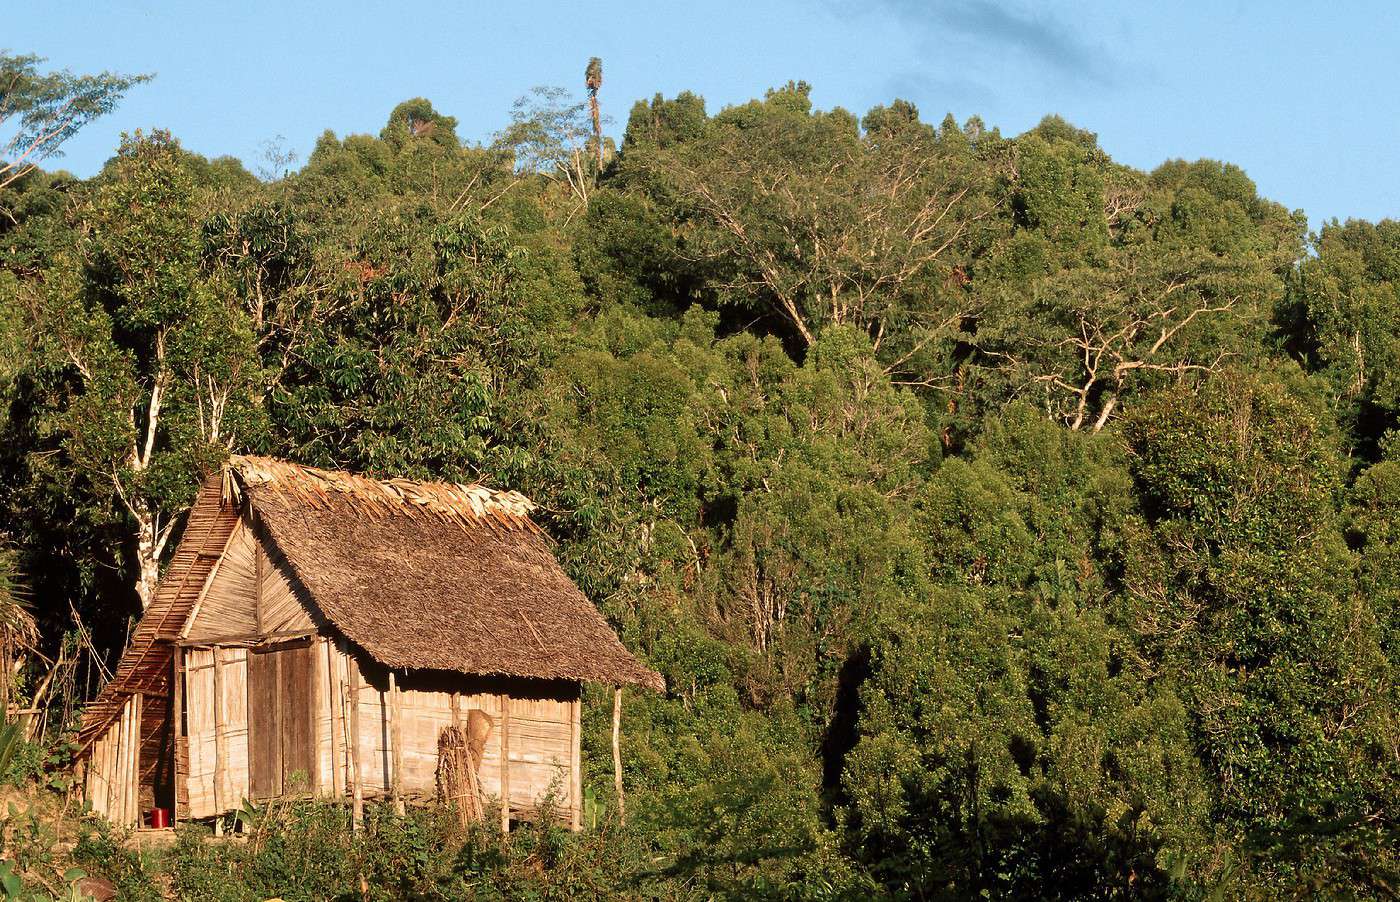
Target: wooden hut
x,y
316,631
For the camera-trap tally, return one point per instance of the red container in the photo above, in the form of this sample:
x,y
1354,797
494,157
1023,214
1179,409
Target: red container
x,y
160,818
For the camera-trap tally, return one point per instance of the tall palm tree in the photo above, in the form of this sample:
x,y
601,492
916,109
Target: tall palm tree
x,y
593,79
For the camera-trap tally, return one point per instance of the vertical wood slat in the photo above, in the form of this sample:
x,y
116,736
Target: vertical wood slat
x,y
314,707
114,780
575,763
87,770
110,766
121,783
94,776
133,813
335,703
221,761
177,692
505,763
115,776
396,741
105,789
124,775
114,790
127,745
352,676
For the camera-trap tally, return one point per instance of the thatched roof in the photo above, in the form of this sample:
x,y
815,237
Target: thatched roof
x,y
428,575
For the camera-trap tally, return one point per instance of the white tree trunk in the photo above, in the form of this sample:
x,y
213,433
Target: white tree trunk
x,y
149,544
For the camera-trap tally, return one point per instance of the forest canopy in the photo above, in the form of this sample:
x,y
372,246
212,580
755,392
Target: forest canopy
x,y
1007,522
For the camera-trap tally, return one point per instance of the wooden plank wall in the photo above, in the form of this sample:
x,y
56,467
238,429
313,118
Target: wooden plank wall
x,y
542,747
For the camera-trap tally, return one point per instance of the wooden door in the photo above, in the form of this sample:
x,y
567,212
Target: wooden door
x,y
281,724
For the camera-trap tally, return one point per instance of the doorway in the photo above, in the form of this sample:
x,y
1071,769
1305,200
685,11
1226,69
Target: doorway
x,y
281,725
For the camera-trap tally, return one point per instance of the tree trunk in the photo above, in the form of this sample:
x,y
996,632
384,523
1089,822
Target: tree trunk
x,y
148,548
597,126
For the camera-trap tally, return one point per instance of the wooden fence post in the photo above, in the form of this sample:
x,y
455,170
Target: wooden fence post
x,y
396,741
505,762
575,763
617,755
357,812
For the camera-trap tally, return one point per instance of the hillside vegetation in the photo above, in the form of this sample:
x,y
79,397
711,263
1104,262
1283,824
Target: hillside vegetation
x,y
1007,522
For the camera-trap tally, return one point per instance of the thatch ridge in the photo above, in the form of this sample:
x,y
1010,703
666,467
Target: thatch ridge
x,y
314,486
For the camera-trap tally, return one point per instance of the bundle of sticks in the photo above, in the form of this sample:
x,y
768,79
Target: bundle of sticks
x,y
460,749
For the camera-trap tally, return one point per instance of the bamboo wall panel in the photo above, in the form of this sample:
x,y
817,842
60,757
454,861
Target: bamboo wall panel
x,y
541,752
113,773
227,606
543,730
373,739
282,608
331,775
200,708
234,778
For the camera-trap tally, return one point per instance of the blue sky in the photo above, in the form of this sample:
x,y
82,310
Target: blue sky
x,y
1303,97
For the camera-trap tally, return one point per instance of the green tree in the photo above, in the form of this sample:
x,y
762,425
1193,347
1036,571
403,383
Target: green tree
x,y
40,111
1342,318
402,370
1112,283
145,373
1242,596
1008,743
798,215
549,136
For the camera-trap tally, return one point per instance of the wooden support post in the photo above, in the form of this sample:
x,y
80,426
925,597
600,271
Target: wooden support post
x,y
127,744
396,741
357,812
617,755
177,704
576,762
109,779
133,765
221,800
117,812
137,717
335,705
351,777
505,763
